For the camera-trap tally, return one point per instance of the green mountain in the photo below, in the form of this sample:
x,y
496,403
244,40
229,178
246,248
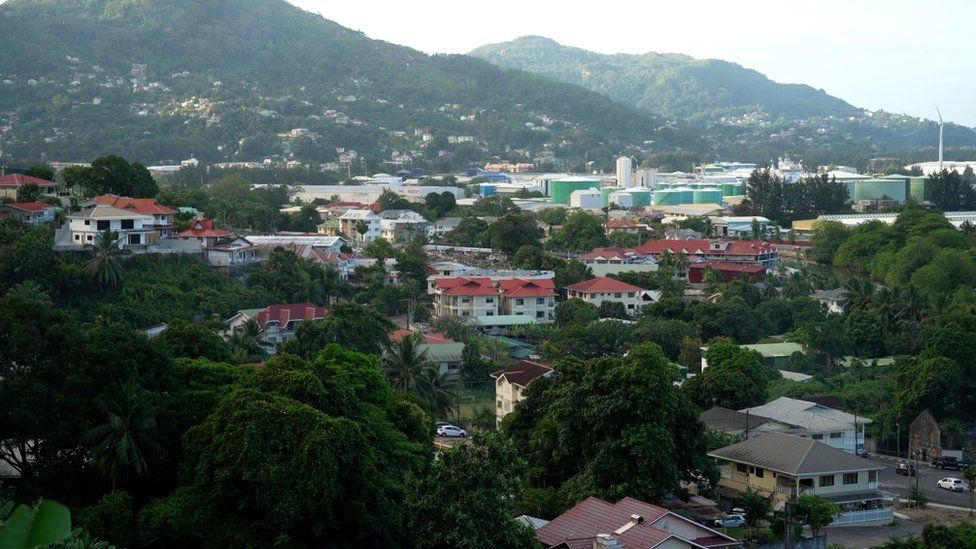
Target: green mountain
x,y
741,112
159,80
673,85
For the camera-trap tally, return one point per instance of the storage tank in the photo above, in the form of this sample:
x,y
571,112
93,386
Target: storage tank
x,y
487,189
875,189
605,192
641,197
625,172
920,188
663,186
708,195
560,189
667,197
686,195
732,189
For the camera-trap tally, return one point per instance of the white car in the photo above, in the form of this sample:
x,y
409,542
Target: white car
x,y
953,484
451,431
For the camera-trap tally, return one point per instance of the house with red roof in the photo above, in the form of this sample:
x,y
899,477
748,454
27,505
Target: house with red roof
x,y
735,251
31,213
628,524
11,184
279,321
162,216
602,289
474,297
628,226
755,272
205,232
510,382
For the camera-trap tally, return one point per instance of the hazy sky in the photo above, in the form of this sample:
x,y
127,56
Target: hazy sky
x,y
896,55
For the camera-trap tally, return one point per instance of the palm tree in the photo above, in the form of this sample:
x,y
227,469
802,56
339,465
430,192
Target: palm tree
x,y
858,294
712,279
886,305
105,267
756,506
681,264
797,285
913,304
442,401
246,341
406,365
968,229
29,290
121,442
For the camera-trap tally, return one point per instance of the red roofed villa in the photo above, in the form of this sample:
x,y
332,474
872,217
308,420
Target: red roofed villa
x,y
473,297
279,321
162,215
205,231
598,290
32,213
628,524
737,251
11,184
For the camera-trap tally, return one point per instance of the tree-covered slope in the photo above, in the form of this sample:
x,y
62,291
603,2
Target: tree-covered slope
x,y
672,85
234,73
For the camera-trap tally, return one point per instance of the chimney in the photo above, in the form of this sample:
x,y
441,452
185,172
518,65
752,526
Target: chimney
x,y
605,541
634,521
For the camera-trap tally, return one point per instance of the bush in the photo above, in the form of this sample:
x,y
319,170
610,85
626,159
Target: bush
x,y
111,519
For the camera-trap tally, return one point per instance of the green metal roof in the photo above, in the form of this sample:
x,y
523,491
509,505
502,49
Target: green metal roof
x,y
775,349
443,352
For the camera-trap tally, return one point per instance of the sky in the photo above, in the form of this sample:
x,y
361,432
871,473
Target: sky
x,y
897,55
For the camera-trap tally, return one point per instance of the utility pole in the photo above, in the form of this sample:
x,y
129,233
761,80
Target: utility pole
x,y
909,478
789,538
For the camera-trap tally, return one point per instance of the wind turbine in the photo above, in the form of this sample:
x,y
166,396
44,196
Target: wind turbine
x,y
940,137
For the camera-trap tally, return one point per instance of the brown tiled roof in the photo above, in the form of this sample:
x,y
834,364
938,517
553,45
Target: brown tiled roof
x,y
523,372
284,314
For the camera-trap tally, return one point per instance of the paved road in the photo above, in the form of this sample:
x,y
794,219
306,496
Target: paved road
x,y
857,537
928,476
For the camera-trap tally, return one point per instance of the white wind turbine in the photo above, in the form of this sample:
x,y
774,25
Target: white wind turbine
x,y
940,137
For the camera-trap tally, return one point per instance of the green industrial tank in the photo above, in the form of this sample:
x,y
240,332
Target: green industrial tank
x,y
662,186
732,189
560,189
605,193
920,188
876,189
686,195
667,197
708,195
642,197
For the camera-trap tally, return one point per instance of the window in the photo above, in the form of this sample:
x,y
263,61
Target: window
x,y
491,313
758,471
88,222
741,468
465,300
540,301
540,314
489,300
836,435
498,404
128,224
872,476
77,237
850,478
618,295
103,224
827,480
519,301
817,436
630,294
89,238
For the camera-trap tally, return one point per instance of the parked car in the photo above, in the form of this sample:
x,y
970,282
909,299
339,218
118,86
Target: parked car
x,y
949,462
731,521
861,451
952,484
906,469
451,431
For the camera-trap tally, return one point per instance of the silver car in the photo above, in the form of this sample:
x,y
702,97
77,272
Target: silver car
x,y
952,484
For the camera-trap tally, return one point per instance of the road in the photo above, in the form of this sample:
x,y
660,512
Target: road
x,y
928,476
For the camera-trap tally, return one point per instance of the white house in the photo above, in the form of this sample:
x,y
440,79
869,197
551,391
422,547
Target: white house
x,y
834,428
474,297
835,300
235,253
350,221
601,289
133,228
510,382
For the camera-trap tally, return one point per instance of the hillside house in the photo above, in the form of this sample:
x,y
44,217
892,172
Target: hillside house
x,y
782,466
11,185
134,229
205,232
162,216
32,213
510,382
596,291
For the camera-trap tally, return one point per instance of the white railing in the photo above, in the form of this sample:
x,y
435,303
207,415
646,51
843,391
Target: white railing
x,y
871,515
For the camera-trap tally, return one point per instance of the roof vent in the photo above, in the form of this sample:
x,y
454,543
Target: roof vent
x,y
603,541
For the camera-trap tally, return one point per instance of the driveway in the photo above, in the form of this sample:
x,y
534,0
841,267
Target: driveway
x,y
857,537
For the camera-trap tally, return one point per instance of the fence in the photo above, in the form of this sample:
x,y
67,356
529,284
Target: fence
x,y
859,517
